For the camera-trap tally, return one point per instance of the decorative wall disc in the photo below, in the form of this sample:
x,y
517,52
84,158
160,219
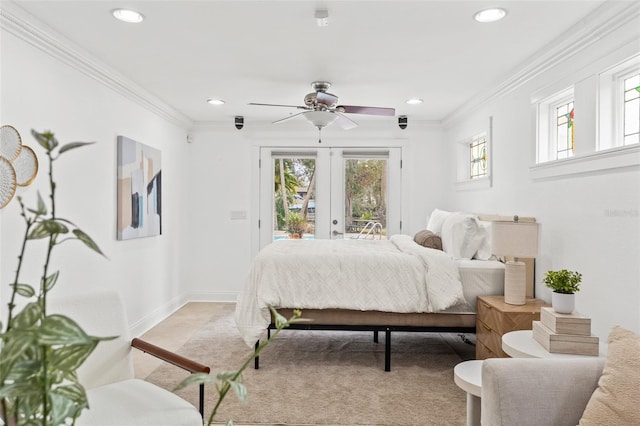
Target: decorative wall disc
x,y
10,142
18,164
26,166
7,182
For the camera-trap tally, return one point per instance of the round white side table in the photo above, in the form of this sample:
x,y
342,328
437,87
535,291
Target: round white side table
x,y
468,376
521,344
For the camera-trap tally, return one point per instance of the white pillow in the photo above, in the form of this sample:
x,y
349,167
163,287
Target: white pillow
x,y
484,251
436,219
461,235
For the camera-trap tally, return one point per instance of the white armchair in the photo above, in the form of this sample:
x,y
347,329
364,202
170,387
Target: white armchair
x,y
115,396
537,392
566,391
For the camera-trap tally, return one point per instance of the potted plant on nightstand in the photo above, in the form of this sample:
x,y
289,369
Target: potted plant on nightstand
x,y
565,284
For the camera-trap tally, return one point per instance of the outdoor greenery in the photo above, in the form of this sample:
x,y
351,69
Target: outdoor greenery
x,y
563,281
228,380
365,189
365,185
284,194
40,353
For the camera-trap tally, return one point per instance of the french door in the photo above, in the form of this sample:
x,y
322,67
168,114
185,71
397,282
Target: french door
x,y
329,192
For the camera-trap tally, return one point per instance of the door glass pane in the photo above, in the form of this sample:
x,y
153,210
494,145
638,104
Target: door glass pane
x,y
365,198
294,202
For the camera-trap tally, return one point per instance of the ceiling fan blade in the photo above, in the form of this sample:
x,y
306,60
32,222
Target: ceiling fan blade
x,y
287,118
345,122
278,105
354,109
326,99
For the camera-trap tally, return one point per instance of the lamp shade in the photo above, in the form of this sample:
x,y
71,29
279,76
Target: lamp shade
x,y
517,239
320,119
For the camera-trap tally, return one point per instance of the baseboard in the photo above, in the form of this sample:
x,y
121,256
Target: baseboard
x,y
161,313
156,316
212,296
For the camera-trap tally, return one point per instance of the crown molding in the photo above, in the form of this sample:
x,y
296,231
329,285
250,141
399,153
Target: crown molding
x,y
19,23
604,20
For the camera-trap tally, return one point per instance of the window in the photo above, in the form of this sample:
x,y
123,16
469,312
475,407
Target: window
x,y
565,130
556,127
619,105
606,98
478,157
473,160
631,110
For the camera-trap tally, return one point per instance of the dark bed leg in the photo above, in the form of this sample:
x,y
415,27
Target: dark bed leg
x,y
375,336
256,361
387,350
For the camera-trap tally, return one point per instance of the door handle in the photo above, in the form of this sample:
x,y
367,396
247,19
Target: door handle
x,y
337,233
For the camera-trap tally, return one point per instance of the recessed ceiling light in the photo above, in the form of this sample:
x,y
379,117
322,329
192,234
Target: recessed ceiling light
x,y
490,15
215,101
414,101
127,15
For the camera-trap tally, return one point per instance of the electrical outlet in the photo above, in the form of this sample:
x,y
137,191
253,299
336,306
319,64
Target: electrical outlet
x,y
238,215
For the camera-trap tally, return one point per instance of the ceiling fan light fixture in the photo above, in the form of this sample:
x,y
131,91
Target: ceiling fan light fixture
x,y
490,15
128,15
215,101
414,101
320,119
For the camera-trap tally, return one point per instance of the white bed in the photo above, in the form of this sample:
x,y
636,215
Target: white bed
x,y
383,285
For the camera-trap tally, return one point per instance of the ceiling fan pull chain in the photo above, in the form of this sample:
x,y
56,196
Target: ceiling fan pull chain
x,y
319,134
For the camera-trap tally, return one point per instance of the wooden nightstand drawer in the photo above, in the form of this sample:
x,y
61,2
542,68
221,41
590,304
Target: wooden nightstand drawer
x,y
494,318
483,352
491,316
488,337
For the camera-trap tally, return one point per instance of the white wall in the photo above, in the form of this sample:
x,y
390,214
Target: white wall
x,y
40,92
219,182
223,167
590,222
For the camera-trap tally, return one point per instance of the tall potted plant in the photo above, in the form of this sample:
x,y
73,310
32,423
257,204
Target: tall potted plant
x,y
41,352
296,225
565,284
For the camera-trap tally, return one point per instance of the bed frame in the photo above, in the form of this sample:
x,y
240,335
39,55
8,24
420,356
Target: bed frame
x,y
377,321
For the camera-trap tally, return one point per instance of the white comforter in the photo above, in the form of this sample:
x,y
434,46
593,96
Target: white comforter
x,y
395,275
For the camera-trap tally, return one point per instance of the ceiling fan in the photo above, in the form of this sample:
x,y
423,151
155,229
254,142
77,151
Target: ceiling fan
x,y
321,109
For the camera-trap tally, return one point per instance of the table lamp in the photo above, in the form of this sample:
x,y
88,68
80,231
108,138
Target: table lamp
x,y
518,240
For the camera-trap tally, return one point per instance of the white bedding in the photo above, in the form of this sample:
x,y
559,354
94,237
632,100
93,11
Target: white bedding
x,y
394,275
480,278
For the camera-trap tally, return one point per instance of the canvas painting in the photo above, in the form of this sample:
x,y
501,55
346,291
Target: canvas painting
x,y
139,190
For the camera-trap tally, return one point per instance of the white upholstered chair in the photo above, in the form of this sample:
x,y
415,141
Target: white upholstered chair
x,y
115,396
566,391
540,392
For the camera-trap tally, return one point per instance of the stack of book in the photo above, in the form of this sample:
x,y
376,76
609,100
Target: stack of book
x,y
565,333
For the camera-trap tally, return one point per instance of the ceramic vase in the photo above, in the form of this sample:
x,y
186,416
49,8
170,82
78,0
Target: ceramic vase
x,y
563,303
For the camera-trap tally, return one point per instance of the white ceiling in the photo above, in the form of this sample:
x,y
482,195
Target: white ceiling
x,y
376,53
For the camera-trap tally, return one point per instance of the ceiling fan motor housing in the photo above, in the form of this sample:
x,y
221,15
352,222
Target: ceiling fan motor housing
x,y
320,86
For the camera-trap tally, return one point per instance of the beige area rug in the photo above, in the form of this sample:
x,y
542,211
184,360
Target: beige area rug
x,y
329,377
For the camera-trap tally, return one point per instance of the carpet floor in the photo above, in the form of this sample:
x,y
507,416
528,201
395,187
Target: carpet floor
x,y
329,377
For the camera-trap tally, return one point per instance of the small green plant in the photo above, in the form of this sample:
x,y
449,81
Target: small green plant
x,y
296,224
227,380
563,281
367,216
40,352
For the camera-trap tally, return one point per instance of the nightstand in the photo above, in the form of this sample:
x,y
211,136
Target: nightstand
x,y
494,318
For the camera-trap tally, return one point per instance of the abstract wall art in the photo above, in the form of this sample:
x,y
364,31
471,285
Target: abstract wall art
x,y
139,190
